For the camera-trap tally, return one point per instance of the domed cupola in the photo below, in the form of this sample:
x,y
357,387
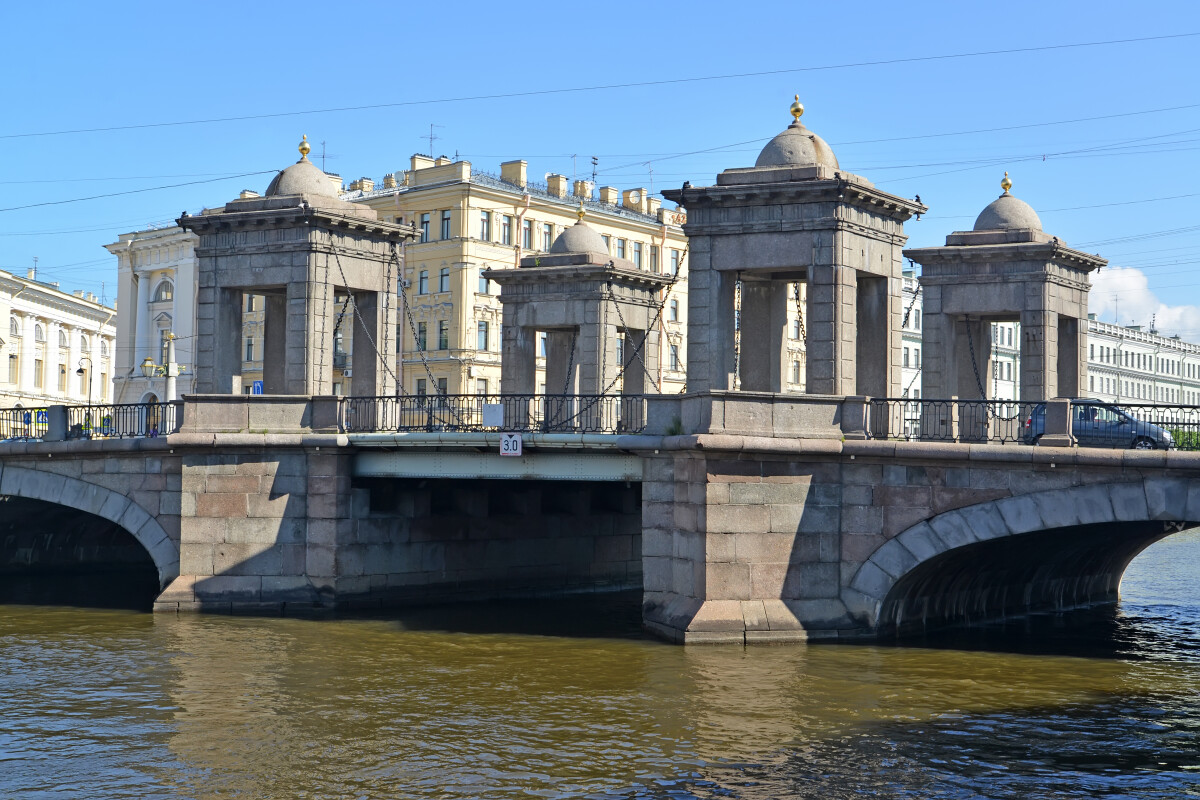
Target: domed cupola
x,y
303,177
797,146
1007,213
579,238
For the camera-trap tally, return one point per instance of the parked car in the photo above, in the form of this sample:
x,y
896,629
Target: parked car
x,y
1097,424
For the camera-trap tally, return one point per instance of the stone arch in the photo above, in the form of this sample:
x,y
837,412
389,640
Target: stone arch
x,y
88,497
1150,508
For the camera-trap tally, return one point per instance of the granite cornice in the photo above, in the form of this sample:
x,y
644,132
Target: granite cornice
x,y
838,191
578,273
296,217
1049,252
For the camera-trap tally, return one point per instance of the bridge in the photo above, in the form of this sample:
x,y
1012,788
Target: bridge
x,y
775,518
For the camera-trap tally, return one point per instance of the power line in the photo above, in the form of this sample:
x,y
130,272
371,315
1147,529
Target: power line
x,y
610,86
135,191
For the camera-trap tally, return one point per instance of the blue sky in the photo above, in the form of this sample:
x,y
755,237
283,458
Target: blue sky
x,y
1094,137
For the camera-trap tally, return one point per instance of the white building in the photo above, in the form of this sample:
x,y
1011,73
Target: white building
x,y
59,345
156,282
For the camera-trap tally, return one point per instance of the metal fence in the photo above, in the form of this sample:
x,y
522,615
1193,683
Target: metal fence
x,y
514,413
123,421
1093,423
23,423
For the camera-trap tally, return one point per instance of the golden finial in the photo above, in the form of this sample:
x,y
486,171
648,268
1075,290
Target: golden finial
x,y
797,109
580,212
1006,184
304,148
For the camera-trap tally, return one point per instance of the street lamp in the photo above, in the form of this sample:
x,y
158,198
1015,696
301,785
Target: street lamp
x,y
81,372
169,369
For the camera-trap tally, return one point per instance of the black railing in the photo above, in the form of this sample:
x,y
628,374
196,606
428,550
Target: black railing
x,y
23,423
123,421
513,413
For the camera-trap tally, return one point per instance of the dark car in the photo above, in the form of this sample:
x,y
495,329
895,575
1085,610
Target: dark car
x,y
1097,424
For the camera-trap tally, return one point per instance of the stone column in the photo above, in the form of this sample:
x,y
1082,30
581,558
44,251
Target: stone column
x,y
75,356
1071,356
142,337
53,357
96,391
519,356
831,334
28,354
370,379
764,335
225,358
873,353
558,355
310,319
274,343
710,327
1039,356
635,373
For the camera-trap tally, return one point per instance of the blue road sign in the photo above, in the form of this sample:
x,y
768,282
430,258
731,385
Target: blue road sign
x,y
256,387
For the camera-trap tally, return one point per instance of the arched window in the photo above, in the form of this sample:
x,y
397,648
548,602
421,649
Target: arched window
x,y
83,343
163,292
13,328
39,333
62,339
103,349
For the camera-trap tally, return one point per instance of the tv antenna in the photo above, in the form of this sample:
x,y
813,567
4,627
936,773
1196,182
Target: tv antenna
x,y
595,164
432,137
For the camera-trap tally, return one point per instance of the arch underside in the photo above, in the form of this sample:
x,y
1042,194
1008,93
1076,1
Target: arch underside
x,y
1036,572
1037,552
89,498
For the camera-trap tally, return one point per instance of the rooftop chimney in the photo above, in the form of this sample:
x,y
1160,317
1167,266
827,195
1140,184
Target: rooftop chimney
x,y
514,172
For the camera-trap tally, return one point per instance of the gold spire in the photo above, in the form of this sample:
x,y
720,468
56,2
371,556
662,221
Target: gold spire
x,y
304,148
1006,184
797,109
580,212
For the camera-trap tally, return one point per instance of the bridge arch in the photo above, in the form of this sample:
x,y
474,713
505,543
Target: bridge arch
x,y
94,499
1041,551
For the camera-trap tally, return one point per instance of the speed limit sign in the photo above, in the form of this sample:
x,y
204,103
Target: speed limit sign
x,y
510,444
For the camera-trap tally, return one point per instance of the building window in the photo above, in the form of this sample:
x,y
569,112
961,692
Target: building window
x,y
485,225
673,314
654,258
637,254
917,357
103,349
547,236
444,280
1008,370
796,373
506,223
675,258
163,292
445,224
796,336
674,358
62,340
1091,352
422,329
62,379
39,334
917,325
39,373
620,248
441,386
482,336
906,357
541,345
83,381
481,387
527,234
14,369
443,335
485,286
250,349
13,328
424,227
607,242
423,282
421,389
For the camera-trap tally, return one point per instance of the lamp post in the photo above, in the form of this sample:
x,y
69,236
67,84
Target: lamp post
x,y
169,369
81,372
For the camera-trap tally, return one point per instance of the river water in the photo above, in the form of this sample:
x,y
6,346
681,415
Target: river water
x,y
566,699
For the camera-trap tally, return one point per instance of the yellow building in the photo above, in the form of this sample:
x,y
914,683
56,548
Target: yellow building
x,y
471,221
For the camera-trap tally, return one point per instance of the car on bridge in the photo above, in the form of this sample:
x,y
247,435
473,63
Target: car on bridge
x,y
1095,423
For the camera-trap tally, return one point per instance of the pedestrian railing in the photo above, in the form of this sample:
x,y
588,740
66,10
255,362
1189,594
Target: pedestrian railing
x,y
123,420
23,423
515,413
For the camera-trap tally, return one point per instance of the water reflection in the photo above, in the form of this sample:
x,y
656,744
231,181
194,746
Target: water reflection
x,y
507,701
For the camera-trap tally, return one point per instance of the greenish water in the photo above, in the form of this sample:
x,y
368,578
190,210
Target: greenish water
x,y
566,698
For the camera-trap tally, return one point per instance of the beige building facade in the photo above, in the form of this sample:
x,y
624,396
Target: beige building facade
x,y
471,221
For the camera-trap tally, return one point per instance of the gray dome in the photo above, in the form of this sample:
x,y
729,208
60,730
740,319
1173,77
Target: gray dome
x,y
1007,213
579,238
303,177
797,146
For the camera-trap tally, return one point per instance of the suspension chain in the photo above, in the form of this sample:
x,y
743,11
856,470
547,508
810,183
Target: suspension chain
x,y
641,358
974,364
913,302
570,362
800,315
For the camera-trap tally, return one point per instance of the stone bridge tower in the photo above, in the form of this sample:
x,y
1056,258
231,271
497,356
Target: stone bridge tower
x,y
794,217
300,247
1005,269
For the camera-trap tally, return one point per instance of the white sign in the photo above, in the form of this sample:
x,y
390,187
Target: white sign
x,y
493,415
510,444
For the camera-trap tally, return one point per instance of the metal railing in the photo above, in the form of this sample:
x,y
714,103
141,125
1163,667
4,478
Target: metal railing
x,y
23,423
510,413
124,420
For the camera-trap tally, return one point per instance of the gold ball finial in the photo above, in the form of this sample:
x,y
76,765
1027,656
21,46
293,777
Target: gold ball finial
x,y
1006,184
579,213
304,148
797,109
